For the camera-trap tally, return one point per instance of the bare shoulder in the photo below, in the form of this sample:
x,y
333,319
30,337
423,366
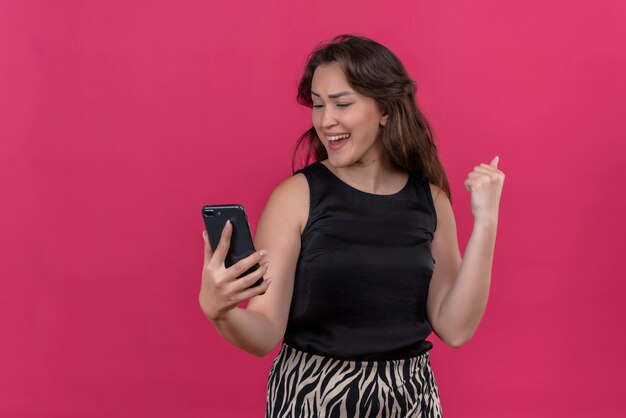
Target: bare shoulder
x,y
290,200
443,207
440,199
293,187
437,192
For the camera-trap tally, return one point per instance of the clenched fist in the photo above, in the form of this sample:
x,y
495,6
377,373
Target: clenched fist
x,y
485,185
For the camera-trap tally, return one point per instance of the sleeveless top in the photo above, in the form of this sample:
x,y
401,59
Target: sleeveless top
x,y
362,277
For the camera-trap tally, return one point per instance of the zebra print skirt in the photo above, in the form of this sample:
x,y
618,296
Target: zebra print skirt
x,y
303,385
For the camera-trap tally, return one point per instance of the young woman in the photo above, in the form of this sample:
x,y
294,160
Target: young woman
x,y
359,251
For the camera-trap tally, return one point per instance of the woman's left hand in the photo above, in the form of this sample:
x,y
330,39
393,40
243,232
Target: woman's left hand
x,y
485,185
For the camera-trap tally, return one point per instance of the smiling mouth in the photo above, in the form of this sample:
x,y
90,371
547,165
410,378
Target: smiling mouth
x,y
337,137
337,141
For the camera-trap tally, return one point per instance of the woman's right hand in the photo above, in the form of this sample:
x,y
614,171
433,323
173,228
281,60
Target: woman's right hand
x,y
221,291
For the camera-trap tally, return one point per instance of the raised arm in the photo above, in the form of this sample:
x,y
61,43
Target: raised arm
x,y
260,327
459,288
279,231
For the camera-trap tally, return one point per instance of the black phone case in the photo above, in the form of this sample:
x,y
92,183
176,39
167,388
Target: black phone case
x,y
241,245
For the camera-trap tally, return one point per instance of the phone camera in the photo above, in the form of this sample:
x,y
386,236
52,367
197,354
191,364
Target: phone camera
x,y
209,213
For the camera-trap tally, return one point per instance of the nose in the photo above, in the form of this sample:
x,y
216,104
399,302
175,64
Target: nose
x,y
328,117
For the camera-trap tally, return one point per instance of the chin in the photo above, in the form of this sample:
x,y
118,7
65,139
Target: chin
x,y
339,162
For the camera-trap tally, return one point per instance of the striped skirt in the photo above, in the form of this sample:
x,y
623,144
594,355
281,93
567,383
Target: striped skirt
x,y
303,385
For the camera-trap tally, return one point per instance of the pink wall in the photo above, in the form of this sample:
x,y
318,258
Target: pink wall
x,y
120,119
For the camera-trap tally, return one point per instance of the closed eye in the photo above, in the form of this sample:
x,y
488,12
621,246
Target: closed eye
x,y
338,105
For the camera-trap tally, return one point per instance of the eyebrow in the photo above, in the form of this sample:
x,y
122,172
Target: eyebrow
x,y
334,95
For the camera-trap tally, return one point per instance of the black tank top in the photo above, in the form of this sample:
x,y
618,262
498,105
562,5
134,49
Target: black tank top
x,y
362,276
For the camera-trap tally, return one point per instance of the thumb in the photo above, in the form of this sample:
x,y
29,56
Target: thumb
x,y
494,162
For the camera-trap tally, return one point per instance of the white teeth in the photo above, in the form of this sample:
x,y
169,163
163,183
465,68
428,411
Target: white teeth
x,y
335,138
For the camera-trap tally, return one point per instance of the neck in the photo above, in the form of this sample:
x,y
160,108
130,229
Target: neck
x,y
374,175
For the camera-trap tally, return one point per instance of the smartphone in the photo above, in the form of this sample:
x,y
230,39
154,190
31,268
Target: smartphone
x,y
241,245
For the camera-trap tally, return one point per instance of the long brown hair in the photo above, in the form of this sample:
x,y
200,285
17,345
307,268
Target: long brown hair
x,y
374,71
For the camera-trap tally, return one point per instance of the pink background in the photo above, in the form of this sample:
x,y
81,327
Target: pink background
x,y
120,119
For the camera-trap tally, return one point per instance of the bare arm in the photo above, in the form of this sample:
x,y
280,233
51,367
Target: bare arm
x,y
260,327
459,289
279,231
247,330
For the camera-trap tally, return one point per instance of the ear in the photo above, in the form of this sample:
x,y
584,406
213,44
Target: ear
x,y
383,120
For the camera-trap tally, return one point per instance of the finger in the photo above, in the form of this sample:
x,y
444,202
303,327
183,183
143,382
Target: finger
x,y
485,168
208,251
492,175
257,290
494,162
224,244
245,264
480,176
250,279
468,185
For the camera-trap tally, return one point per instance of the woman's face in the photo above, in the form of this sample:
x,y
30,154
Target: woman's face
x,y
339,111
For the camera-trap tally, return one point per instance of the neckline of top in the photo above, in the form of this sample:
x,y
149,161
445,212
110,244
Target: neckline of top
x,y
333,175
